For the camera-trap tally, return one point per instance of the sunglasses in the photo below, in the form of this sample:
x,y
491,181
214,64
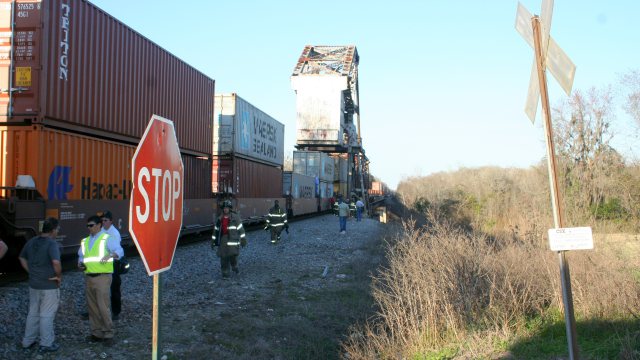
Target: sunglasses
x,y
91,225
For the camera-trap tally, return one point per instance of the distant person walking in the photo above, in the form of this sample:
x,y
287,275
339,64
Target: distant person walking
x,y
276,222
359,209
228,235
40,257
116,280
343,212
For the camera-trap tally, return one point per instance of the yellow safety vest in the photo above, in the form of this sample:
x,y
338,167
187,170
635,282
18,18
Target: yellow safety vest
x,y
93,256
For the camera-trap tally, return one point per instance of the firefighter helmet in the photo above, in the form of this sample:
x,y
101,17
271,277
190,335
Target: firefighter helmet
x,y
226,204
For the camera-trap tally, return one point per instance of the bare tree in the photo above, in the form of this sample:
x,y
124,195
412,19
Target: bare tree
x,y
583,136
288,163
631,85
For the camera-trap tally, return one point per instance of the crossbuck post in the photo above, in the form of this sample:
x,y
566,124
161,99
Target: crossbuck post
x,y
564,70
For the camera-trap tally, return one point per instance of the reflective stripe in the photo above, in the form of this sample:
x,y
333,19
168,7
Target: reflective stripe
x,y
94,263
233,243
95,259
242,236
277,225
239,226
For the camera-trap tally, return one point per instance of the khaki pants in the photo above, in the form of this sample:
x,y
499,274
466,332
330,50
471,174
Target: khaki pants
x,y
98,291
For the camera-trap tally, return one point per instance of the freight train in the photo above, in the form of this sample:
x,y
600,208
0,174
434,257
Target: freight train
x,y
78,89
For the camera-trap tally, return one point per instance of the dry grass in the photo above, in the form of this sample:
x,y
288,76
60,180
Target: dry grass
x,y
465,293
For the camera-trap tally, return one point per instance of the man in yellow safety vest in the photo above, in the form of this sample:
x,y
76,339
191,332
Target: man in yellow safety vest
x,y
95,257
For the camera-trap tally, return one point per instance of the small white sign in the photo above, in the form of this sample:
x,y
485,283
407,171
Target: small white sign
x,y
578,238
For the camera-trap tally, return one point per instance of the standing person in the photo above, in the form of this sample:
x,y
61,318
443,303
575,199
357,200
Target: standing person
x,y
3,249
40,257
343,212
359,209
95,257
228,235
335,207
352,208
116,281
289,205
276,221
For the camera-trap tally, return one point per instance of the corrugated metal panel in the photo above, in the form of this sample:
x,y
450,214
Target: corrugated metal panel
x,y
314,163
300,186
197,177
248,179
68,166
89,71
255,208
222,175
319,109
241,128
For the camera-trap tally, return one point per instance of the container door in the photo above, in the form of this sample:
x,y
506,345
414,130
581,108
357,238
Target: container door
x,y
5,58
25,65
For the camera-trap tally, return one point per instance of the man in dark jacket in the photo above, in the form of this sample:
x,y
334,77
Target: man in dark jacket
x,y
40,257
276,221
228,235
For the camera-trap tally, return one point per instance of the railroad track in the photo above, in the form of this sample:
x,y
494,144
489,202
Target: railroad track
x,y
15,274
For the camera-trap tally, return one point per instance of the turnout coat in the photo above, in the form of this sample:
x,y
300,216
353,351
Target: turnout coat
x,y
229,244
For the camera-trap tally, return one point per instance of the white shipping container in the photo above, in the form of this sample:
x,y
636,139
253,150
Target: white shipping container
x,y
300,186
320,109
241,128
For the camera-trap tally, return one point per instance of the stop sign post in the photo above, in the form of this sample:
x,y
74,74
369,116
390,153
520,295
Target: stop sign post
x,y
155,211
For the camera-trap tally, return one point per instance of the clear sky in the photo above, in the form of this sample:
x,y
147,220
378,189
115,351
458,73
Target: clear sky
x,y
442,83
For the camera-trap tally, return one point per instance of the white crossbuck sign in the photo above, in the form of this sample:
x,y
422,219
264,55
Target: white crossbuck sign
x,y
561,67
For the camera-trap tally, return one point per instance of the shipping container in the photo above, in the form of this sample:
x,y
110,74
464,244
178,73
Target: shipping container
x,y
325,80
314,163
341,167
255,210
299,186
326,189
241,128
75,67
75,176
245,178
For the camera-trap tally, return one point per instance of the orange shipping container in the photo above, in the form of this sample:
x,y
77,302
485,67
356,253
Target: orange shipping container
x,y
67,166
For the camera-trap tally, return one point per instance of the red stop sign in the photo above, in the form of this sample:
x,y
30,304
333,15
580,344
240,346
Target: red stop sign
x,y
155,210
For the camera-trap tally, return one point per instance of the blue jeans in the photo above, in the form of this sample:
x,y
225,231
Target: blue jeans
x,y
359,213
43,305
343,223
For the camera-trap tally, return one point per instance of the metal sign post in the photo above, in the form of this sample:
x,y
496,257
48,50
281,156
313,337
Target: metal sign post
x,y
563,69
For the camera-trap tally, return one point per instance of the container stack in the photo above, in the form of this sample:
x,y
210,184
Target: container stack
x,y
325,80
83,89
248,155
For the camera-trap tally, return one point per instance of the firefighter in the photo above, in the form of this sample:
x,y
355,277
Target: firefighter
x,y
352,209
228,236
276,221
